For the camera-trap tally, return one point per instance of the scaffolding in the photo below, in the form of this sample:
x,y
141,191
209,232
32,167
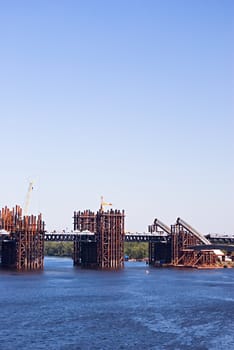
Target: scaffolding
x,y
183,238
24,248
85,253
110,239
198,258
107,251
84,221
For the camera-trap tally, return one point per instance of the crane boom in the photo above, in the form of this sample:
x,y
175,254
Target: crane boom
x,y
103,203
27,201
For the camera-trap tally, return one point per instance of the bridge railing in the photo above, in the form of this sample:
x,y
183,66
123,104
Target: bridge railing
x,y
86,236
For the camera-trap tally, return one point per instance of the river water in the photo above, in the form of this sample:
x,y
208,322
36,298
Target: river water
x,y
137,308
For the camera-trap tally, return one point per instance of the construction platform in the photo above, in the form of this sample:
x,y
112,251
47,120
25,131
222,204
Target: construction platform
x,y
185,247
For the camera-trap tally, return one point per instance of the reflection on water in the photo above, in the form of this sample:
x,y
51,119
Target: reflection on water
x,y
139,307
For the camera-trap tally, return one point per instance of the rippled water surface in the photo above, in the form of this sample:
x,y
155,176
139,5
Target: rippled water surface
x,y
136,308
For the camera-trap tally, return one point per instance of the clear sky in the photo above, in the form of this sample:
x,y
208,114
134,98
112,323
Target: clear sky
x,y
129,99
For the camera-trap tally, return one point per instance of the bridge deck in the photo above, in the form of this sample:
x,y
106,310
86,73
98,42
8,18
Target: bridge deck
x,y
72,237
129,237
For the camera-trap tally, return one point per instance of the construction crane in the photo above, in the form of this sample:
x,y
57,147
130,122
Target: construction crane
x,y
103,203
27,201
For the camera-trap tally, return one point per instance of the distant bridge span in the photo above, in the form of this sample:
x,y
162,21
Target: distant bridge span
x,y
216,242
91,237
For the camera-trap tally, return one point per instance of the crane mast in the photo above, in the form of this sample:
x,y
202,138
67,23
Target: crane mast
x,y
103,204
27,201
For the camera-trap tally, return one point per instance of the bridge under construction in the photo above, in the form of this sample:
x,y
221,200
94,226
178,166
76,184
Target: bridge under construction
x,y
98,240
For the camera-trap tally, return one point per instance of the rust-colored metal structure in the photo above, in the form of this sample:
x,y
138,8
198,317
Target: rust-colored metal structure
x,y
106,251
23,249
183,238
85,221
110,239
181,246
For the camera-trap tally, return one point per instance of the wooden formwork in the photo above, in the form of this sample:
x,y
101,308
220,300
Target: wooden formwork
x,y
24,248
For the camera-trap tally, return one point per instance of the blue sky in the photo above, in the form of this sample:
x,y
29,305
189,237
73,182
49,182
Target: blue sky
x,y
128,99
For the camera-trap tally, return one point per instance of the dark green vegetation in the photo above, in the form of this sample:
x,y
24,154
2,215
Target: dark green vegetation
x,y
136,250
58,248
133,250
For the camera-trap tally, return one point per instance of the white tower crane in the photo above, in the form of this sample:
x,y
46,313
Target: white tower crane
x,y
27,201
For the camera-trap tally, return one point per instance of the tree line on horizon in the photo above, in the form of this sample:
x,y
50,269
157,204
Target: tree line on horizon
x,y
133,250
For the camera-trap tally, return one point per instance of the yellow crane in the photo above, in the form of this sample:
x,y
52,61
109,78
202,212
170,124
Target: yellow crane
x,y
103,203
